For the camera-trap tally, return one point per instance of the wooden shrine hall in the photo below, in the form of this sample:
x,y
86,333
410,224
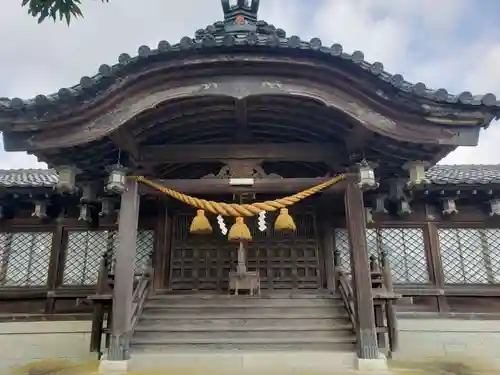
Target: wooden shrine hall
x,y
246,189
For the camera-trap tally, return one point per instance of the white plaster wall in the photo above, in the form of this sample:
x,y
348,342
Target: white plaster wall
x,y
454,339
24,342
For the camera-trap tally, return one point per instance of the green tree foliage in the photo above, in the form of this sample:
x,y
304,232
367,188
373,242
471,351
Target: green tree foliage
x,y
55,9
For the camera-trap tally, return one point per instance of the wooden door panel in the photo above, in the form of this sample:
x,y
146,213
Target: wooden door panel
x,y
283,261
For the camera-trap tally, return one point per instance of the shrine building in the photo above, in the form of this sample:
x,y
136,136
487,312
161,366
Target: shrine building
x,y
252,200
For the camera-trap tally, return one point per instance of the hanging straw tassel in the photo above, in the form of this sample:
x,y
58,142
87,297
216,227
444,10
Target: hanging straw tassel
x,y
239,231
284,222
200,224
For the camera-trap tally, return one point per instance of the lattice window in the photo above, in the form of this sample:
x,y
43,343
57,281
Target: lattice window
x,y
85,249
24,258
404,246
83,256
470,256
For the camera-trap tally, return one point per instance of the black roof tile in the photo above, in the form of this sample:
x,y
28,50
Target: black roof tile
x,y
438,174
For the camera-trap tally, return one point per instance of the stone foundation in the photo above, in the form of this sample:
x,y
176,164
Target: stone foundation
x,y
25,342
420,340
449,339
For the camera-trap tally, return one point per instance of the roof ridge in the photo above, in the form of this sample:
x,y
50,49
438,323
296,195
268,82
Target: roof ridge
x,y
217,35
27,170
465,165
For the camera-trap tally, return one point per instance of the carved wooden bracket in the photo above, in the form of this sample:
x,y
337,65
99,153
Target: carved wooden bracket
x,y
107,207
379,204
242,169
404,208
85,213
416,171
449,207
368,215
397,191
494,207
40,210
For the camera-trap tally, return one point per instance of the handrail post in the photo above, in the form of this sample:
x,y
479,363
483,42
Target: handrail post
x,y
124,272
392,329
361,278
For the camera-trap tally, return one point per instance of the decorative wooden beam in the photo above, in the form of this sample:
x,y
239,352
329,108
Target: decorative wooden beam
x,y
222,186
309,152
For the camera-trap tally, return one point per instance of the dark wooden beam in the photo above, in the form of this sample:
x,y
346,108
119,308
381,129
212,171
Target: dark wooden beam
x,y
309,152
221,186
357,140
124,140
242,133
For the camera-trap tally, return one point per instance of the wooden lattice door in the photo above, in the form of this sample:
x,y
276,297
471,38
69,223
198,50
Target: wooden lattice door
x,y
283,261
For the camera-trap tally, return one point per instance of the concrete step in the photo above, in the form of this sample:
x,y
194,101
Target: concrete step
x,y
146,323
264,335
234,362
167,313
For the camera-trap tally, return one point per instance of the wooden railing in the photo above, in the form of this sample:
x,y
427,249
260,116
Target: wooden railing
x,y
102,301
345,288
139,297
383,304
383,300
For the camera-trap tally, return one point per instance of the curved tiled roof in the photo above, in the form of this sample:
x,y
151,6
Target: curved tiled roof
x,y
438,174
228,34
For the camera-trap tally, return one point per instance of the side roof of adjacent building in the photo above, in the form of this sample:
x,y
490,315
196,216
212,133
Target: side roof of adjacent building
x,y
467,174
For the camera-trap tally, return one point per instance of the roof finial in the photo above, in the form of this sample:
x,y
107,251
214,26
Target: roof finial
x,y
241,12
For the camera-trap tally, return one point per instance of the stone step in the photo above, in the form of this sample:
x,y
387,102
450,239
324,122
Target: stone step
x,y
234,301
265,295
242,343
161,312
264,335
238,323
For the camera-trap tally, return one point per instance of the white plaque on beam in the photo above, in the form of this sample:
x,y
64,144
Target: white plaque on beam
x,y
241,181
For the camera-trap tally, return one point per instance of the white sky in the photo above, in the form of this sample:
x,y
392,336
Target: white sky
x,y
447,43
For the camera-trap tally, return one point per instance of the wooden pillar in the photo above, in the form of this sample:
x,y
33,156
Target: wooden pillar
x,y
360,269
55,270
435,265
327,246
161,263
124,272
